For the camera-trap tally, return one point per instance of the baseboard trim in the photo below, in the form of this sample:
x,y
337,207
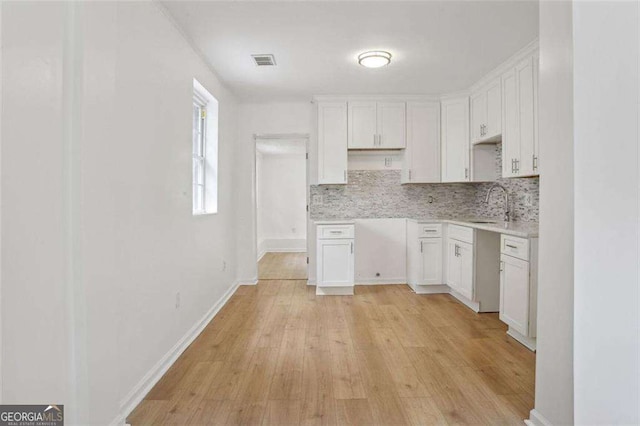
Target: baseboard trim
x,y
140,390
525,341
537,419
250,282
381,281
430,289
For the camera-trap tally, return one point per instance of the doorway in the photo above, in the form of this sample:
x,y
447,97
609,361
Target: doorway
x,y
282,194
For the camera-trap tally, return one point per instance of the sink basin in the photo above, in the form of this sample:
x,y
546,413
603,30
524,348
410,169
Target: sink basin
x,y
482,221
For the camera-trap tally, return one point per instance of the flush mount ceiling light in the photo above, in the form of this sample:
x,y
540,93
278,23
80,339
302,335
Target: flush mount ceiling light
x,y
374,59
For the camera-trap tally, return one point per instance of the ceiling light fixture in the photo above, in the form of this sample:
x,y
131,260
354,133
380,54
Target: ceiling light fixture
x,y
374,59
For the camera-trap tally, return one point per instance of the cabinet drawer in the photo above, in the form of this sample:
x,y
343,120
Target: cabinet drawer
x,y
429,230
460,233
335,231
514,246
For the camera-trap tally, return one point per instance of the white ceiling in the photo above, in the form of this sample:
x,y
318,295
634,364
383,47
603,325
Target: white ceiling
x,y
437,46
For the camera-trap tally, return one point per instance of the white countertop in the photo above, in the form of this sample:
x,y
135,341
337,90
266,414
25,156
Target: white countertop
x,y
334,222
517,229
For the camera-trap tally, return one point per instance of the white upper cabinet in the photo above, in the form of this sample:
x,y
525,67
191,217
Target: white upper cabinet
x,y
363,130
391,125
454,130
520,119
377,125
486,113
422,154
332,143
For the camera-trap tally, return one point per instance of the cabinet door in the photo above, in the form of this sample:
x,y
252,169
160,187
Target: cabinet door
x,y
478,115
362,125
391,125
335,263
455,140
514,293
422,155
510,132
431,261
526,116
494,110
453,265
332,142
465,254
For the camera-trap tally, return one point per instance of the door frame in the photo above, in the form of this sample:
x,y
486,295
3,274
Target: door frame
x,y
303,138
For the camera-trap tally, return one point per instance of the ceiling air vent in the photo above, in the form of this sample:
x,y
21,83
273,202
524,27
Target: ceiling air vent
x,y
264,60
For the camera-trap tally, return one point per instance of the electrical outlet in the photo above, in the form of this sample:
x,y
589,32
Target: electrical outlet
x,y
388,161
178,300
528,200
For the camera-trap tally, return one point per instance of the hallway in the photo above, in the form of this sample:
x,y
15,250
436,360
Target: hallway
x,y
279,354
283,266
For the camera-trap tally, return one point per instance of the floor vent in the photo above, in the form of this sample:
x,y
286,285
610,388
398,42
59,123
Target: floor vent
x,y
264,60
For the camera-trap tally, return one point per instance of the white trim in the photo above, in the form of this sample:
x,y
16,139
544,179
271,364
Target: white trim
x,y
537,419
280,136
140,390
474,306
528,342
250,282
430,289
381,281
334,291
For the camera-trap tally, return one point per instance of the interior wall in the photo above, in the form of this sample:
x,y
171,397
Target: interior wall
x,y
97,196
281,202
606,345
554,360
35,205
256,118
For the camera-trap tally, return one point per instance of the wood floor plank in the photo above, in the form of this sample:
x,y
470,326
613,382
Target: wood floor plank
x,y
278,354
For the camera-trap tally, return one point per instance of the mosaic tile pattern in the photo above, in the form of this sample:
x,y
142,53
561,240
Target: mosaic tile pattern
x,y
374,194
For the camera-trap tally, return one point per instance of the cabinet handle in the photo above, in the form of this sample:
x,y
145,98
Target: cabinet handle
x,y
535,162
513,167
409,174
379,140
421,246
456,251
466,173
375,139
429,230
517,165
501,266
510,246
335,232
351,248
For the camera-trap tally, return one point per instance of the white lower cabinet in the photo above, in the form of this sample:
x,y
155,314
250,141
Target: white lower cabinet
x,y
425,257
335,259
514,293
518,288
472,258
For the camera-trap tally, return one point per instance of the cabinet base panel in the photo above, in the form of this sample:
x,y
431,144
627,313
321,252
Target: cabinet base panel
x,y
334,291
527,342
430,289
478,307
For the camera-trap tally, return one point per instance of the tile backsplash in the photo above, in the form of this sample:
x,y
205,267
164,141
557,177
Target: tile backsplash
x,y
379,194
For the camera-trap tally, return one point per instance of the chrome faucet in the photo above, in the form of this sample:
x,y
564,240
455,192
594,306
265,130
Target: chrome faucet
x,y
507,213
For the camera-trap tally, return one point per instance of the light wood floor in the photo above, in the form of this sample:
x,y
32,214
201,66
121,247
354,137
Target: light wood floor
x,y
283,266
279,354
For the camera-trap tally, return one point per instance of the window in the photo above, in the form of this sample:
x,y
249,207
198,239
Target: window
x,y
204,151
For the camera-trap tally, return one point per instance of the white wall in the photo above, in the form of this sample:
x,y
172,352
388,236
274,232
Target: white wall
x,y
607,374
35,206
97,198
554,362
277,117
281,199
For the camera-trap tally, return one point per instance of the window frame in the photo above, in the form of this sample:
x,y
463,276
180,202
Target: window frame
x,y
204,152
